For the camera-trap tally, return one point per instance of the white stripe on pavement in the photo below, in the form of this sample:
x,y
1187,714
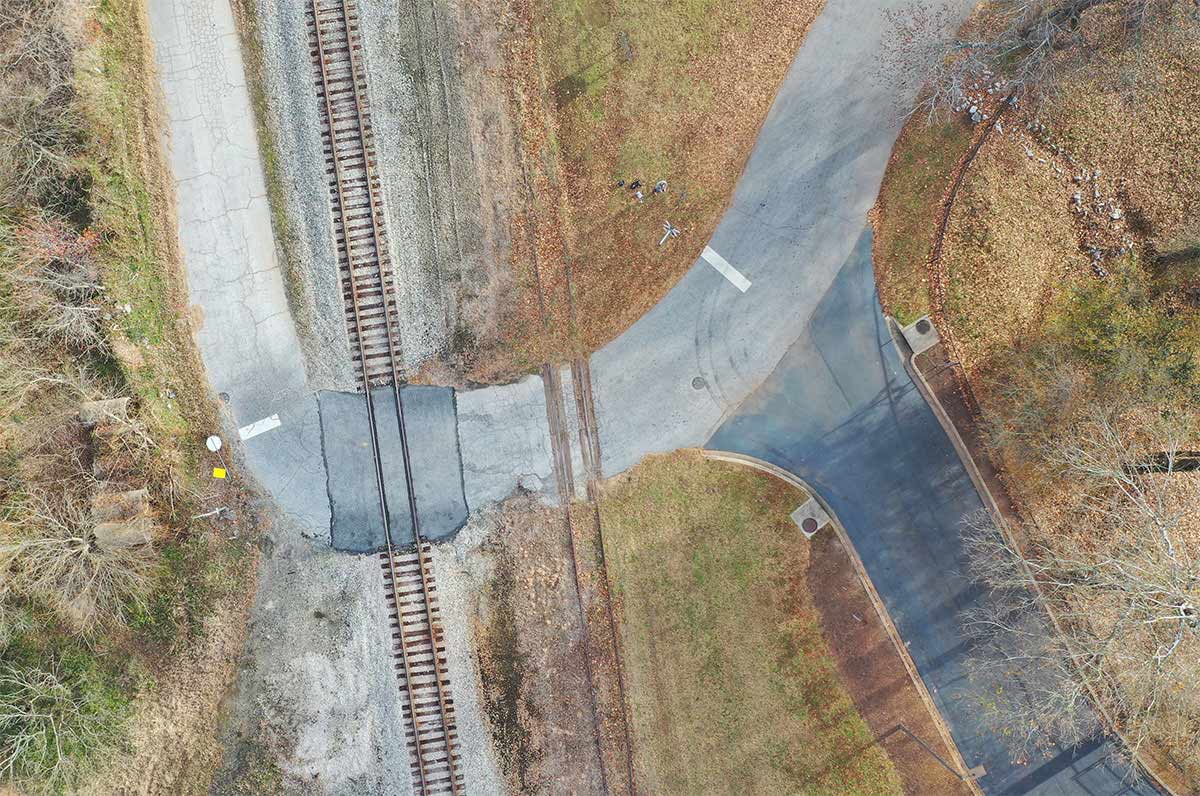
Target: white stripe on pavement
x,y
258,427
727,270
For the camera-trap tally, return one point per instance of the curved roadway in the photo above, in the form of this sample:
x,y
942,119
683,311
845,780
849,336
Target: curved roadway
x,y
800,371
797,370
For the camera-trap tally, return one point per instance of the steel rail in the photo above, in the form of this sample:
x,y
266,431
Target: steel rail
x,y
377,239
370,403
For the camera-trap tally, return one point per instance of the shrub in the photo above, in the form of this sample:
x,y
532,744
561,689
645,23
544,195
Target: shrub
x,y
49,552
1129,339
55,718
40,129
54,283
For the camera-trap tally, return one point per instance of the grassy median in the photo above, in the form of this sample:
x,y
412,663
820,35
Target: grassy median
x,y
731,684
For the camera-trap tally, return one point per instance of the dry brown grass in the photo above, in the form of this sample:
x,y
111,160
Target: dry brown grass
x,y
640,90
535,687
1135,120
1010,251
731,684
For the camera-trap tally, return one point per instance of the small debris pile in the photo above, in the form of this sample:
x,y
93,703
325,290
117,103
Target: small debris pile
x,y
979,100
1100,218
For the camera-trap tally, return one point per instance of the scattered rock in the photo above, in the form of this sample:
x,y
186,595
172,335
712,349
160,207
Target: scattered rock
x,y
93,412
118,535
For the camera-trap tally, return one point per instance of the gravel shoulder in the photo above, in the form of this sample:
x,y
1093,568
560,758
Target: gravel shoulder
x,y
316,704
444,231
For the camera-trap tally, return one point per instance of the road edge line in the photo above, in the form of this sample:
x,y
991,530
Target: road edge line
x,y
1001,522
939,721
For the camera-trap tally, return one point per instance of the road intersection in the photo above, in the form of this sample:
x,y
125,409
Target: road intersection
x,y
796,369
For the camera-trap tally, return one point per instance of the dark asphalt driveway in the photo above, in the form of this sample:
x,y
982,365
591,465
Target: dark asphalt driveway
x,y
841,413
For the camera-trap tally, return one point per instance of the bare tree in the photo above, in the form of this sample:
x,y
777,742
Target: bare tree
x,y
55,281
48,549
1120,575
1024,47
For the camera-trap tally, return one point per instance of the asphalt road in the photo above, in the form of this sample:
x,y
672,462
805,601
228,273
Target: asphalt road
x,y
799,370
841,413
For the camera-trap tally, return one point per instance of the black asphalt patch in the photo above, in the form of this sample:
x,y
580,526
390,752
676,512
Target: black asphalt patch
x,y
432,425
841,413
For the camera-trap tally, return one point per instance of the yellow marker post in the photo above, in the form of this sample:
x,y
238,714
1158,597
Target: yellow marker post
x,y
218,472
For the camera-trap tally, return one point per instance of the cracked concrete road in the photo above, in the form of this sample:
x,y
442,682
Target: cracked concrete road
x,y
246,338
760,366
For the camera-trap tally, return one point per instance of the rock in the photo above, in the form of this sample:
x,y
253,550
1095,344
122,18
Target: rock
x,y
93,412
127,353
111,507
976,117
1116,214
118,535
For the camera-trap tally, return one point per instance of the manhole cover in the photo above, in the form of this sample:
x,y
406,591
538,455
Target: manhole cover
x,y
923,326
699,383
809,525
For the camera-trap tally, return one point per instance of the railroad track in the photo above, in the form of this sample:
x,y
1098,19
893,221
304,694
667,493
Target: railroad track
x,y
368,288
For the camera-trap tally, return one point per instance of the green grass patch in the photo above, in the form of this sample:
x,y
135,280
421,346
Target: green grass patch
x,y
732,687
135,252
626,67
195,575
62,708
909,201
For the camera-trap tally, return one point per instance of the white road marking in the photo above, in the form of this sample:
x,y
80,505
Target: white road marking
x,y
727,270
258,427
